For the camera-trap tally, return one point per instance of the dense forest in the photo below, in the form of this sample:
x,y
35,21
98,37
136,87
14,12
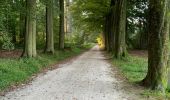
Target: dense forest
x,y
48,28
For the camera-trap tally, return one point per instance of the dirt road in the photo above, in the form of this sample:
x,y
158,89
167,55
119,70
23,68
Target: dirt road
x,y
88,77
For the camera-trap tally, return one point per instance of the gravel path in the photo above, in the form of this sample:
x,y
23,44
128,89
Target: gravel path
x,y
88,77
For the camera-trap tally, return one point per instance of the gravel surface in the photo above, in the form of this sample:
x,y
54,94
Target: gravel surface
x,y
88,77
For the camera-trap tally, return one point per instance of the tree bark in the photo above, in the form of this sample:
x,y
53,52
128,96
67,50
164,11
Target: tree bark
x,y
120,29
61,32
30,36
108,32
112,34
158,51
22,23
49,28
105,33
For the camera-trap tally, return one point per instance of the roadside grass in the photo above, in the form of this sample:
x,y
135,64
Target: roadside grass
x,y
17,71
133,68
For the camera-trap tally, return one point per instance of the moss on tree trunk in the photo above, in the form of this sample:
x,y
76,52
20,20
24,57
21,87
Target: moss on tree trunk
x,y
158,51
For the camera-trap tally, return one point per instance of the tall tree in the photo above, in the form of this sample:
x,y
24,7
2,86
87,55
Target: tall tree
x,y
61,32
106,33
158,51
30,36
49,27
120,28
22,21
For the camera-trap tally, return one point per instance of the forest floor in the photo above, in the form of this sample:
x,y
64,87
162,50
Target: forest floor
x,y
10,54
139,53
88,77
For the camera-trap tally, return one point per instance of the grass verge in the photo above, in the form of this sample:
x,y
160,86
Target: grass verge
x,y
17,71
133,68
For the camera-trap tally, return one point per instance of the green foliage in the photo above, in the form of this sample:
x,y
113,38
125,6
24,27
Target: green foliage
x,y
89,14
133,68
41,23
137,14
6,41
80,38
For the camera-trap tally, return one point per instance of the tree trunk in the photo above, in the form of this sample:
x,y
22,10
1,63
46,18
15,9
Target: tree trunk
x,y
108,28
49,28
30,36
158,51
61,32
22,23
109,33
112,34
14,39
120,27
143,35
105,33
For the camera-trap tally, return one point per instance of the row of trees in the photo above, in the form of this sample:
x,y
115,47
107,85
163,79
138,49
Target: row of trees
x,y
158,44
119,21
30,27
98,16
115,28
122,23
23,20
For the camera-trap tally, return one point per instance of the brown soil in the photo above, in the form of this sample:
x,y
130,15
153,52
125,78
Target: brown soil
x,y
139,53
10,54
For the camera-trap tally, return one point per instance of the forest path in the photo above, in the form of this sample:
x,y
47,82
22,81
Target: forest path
x,y
88,77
